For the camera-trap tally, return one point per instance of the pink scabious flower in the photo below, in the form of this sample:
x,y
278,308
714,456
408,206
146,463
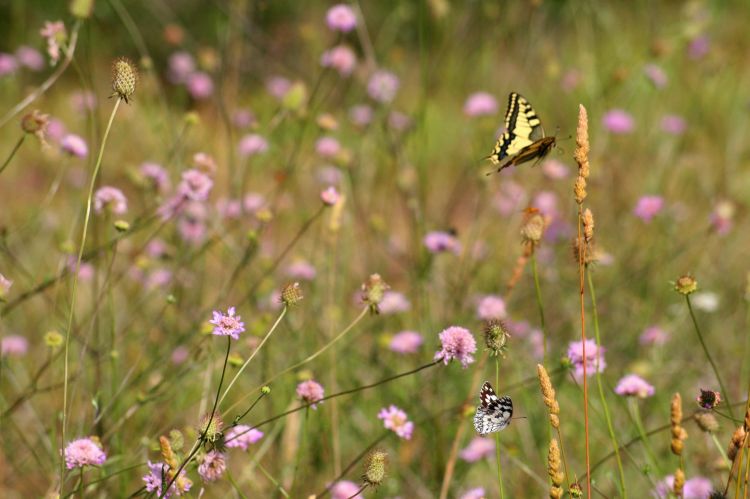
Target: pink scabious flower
x,y
205,162
253,202
110,199
181,66
656,75
341,58
329,175
227,324
229,208
393,302
648,207
618,121
361,115
382,86
653,335
708,399
200,85
345,489
30,57
478,448
243,118
154,483
439,242
594,358
510,199
341,17
633,385
252,144
55,34
192,223
213,466
406,342
395,419
83,101
327,147
673,124
55,130
480,104
83,452
156,175
491,307
5,285
278,86
242,436
456,343
13,345
74,145
180,355
195,185
330,196
475,493
158,278
310,392
301,270
546,203
699,47
722,217
695,488
555,169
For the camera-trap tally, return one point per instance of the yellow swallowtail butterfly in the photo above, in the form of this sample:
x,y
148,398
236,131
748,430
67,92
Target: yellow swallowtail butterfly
x,y
523,139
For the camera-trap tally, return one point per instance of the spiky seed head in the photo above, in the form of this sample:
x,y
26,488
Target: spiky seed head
x,y
35,123
375,465
496,337
124,78
292,294
211,427
686,284
372,292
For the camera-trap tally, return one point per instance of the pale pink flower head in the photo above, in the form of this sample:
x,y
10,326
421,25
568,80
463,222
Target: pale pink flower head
x,y
229,208
699,47
329,175
110,199
695,488
253,202
30,57
618,121
242,436
74,145
213,466
278,86
393,302
13,345
478,448
396,419
327,147
330,196
341,17
310,392
382,86
475,493
361,115
406,342
555,169
83,101
205,162
227,324
251,145
398,121
673,124
653,335
180,355
546,203
158,278
440,241
301,270
491,307
633,385
55,130
480,104
648,207
156,175
153,480
5,285
456,343
200,85
83,452
181,66
243,118
341,58
510,199
345,489
570,80
594,358
656,75
55,34
195,185
722,218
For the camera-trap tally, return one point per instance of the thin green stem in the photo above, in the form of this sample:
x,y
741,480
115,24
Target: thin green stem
x,y
610,428
497,435
538,291
361,489
636,414
721,450
13,152
273,480
75,286
708,356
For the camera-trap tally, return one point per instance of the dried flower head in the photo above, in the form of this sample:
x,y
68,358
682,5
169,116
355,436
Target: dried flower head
x,y
36,123
496,337
548,394
678,432
533,226
579,189
124,78
292,294
582,142
167,453
738,438
686,284
706,422
375,465
588,225
553,469
708,399
679,482
372,292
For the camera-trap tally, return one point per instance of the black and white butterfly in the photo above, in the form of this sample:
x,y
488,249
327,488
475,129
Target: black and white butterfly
x,y
494,413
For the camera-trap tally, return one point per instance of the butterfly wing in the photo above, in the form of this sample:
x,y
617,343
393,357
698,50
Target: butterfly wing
x,y
493,413
522,128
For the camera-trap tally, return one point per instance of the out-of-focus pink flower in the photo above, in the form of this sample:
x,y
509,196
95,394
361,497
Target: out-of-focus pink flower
x,y
633,385
594,358
158,278
253,202
393,302
456,343
491,307
398,121
111,199
695,488
329,175
648,207
213,466
480,104
83,101
181,66
361,115
85,270
341,17
180,355
555,169
30,57
229,208
301,270
204,162
242,436
699,47
55,34
341,58
406,342
156,175
546,203
396,419
5,285
310,392
673,124
382,86
278,86
327,147
653,335
330,196
510,199
83,452
722,217
475,493
243,118
439,242
570,80
252,144
200,85
656,75
345,490
55,129
157,472
536,340
195,185
478,448
618,121
74,145
13,345
227,324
